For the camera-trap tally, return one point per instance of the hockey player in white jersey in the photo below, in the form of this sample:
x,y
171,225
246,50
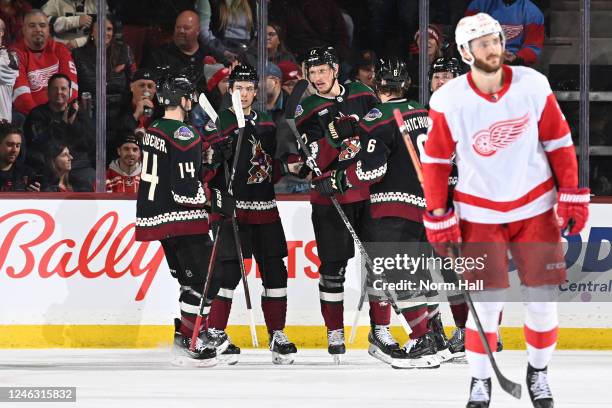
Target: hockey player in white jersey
x,y
515,161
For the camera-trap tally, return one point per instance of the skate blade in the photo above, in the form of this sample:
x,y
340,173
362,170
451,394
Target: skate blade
x,y
378,354
424,362
337,359
188,362
228,359
459,358
445,356
283,359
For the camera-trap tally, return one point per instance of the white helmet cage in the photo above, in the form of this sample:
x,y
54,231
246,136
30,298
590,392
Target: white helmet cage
x,y
476,26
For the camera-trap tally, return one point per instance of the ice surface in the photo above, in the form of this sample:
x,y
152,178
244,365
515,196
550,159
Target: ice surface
x,y
146,379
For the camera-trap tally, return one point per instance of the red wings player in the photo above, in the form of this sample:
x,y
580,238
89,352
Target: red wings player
x,y
515,160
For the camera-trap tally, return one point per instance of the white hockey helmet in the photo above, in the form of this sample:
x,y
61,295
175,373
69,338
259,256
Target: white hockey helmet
x,y
476,26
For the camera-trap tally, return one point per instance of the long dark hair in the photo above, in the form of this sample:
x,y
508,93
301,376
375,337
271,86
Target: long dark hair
x,y
115,48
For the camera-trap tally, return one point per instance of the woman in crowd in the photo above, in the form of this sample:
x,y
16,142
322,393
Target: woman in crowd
x,y
277,51
58,163
119,67
227,26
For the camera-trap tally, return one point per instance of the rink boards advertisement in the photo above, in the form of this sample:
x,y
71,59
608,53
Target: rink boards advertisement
x,y
71,275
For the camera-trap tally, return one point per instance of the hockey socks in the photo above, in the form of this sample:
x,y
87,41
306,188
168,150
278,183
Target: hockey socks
x,y
459,309
488,312
380,313
541,330
275,312
416,316
220,309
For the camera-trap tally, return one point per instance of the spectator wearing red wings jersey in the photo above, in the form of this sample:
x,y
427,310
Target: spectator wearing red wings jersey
x,y
515,161
523,25
39,58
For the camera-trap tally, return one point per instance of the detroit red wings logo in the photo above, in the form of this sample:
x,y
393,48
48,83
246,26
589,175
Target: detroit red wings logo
x,y
261,161
499,135
512,31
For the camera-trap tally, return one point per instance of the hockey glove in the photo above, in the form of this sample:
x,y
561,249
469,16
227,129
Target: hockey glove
x,y
222,151
293,164
573,209
342,128
442,231
222,203
330,183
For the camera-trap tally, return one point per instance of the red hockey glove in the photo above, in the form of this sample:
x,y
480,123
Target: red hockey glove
x,y
573,209
442,231
342,128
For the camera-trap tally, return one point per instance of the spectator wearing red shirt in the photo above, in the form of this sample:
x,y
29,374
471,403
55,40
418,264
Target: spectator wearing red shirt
x,y
39,58
123,174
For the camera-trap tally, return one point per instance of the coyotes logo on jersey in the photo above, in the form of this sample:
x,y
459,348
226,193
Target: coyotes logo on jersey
x,y
261,169
499,135
349,148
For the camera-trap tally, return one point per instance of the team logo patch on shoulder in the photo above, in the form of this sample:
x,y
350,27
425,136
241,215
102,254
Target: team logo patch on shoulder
x,y
299,111
373,115
183,133
210,126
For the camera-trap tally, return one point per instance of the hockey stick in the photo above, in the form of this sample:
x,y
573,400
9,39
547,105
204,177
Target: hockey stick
x,y
507,385
210,111
292,103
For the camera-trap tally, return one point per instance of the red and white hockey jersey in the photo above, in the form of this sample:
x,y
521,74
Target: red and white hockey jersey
x,y
35,69
512,148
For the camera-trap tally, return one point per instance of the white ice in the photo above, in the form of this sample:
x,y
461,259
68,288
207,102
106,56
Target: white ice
x,y
146,379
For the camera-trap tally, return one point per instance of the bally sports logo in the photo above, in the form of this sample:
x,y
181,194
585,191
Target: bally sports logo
x,y
499,135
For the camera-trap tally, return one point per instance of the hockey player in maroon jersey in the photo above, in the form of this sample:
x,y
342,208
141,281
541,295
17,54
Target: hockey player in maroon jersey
x,y
172,208
396,206
335,108
259,223
515,161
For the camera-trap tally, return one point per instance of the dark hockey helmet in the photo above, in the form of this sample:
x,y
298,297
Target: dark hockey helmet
x,y
321,56
243,73
391,74
445,64
170,90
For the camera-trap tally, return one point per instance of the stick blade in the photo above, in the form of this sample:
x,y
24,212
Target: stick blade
x,y
237,105
510,387
294,98
205,104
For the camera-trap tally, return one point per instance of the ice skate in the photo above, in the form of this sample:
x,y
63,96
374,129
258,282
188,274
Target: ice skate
x,y
539,390
457,345
202,356
442,345
218,339
480,393
283,351
230,355
418,353
335,344
382,344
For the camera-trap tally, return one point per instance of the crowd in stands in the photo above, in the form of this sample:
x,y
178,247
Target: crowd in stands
x,y
48,68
